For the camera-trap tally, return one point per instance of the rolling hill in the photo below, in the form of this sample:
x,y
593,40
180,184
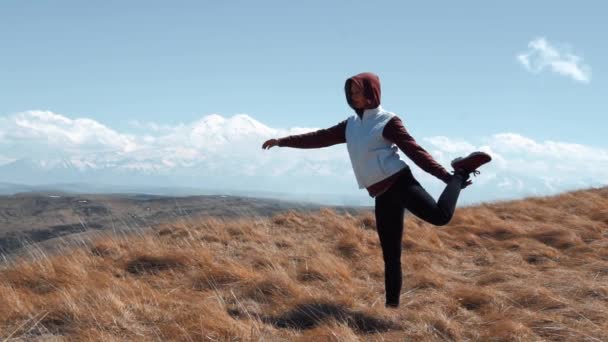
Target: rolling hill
x,y
526,270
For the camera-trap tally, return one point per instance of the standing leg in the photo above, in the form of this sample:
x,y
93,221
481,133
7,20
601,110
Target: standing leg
x,y
389,223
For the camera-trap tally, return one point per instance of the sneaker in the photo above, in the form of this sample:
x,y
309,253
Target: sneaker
x,y
470,163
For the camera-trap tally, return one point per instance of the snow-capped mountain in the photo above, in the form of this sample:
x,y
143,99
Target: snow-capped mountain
x,y
213,152
225,153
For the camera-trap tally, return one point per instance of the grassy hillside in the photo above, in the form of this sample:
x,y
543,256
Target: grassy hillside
x,y
45,217
530,270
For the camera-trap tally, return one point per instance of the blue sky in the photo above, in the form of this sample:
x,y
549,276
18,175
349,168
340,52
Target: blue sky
x,y
447,68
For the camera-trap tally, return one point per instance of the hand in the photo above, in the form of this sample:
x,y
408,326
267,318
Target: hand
x,y
466,182
270,143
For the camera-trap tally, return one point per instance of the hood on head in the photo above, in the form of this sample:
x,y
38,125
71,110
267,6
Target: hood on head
x,y
371,89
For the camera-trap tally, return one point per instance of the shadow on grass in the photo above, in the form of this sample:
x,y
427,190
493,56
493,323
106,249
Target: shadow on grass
x,y
311,315
153,264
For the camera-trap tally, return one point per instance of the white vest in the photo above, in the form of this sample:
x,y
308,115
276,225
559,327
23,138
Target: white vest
x,y
373,158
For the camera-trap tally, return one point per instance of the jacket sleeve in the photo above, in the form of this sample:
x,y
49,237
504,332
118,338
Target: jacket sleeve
x,y
317,139
395,132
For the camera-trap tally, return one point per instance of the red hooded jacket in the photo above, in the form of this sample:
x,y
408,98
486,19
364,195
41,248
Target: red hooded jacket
x,y
394,131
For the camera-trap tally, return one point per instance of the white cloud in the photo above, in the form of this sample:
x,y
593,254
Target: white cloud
x,y
450,145
50,132
231,146
5,160
541,55
568,153
518,162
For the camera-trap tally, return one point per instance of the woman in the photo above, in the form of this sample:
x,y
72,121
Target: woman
x,y
370,137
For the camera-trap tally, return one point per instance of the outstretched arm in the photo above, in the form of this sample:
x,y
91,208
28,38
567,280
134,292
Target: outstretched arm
x,y
317,139
395,132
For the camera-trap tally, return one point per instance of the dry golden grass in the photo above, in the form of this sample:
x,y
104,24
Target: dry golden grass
x,y
530,270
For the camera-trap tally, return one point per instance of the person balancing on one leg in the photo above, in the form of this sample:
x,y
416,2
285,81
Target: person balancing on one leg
x,y
370,137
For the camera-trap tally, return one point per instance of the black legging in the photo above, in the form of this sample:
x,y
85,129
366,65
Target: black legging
x,y
407,193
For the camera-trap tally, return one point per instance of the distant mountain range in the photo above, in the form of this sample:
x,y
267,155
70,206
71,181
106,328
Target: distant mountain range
x,y
90,188
218,155
47,215
214,155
